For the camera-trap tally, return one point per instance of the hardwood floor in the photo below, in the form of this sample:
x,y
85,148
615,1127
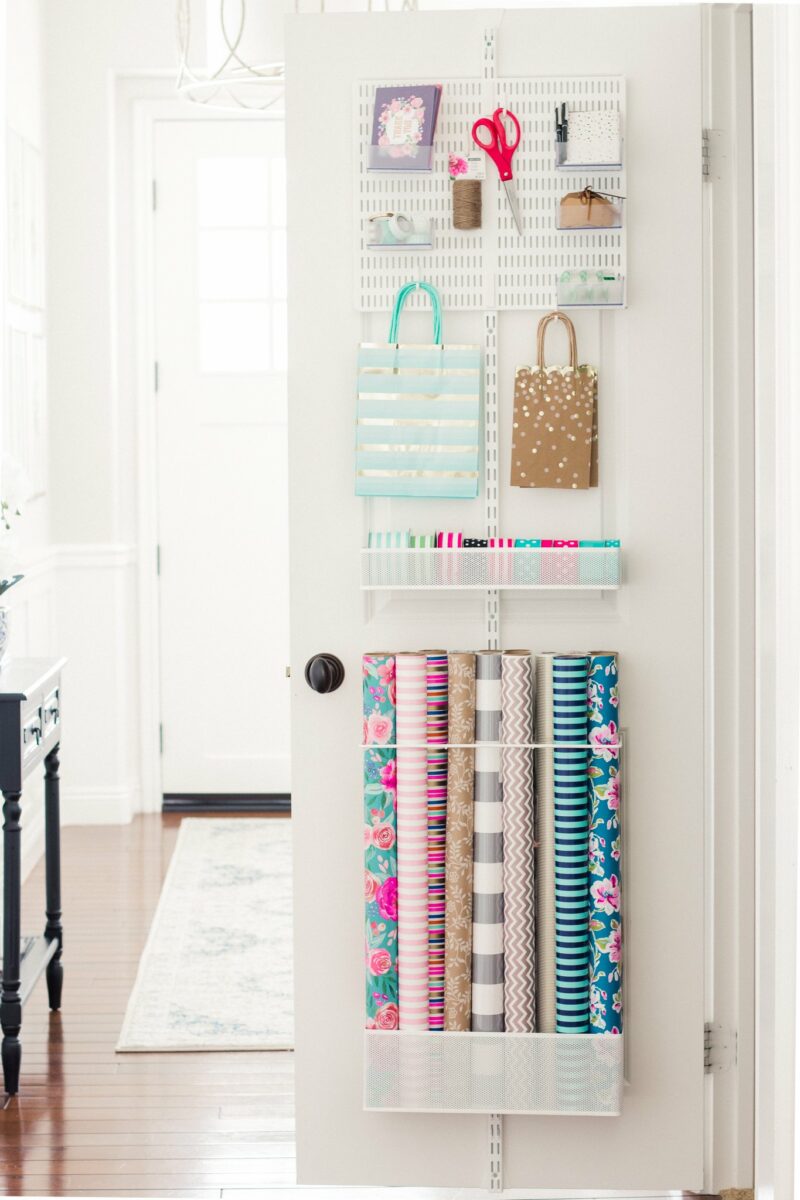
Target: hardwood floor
x,y
88,1121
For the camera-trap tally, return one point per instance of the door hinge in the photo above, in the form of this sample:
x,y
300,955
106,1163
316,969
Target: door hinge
x,y
160,738
158,560
155,196
706,155
155,375
719,1048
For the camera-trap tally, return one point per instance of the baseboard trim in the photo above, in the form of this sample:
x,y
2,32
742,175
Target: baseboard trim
x,y
195,803
98,805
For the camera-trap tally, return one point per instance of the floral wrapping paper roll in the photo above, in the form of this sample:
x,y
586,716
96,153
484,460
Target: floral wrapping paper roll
x,y
605,915
380,841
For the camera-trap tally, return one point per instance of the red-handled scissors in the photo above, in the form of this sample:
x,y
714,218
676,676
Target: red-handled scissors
x,y
501,150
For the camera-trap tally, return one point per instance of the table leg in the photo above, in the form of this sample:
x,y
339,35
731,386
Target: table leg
x,y
10,1003
52,836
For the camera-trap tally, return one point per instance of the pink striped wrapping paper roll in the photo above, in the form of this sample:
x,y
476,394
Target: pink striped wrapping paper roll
x,y
501,566
412,839
437,832
449,569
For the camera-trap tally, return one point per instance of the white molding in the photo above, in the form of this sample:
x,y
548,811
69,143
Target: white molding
x,y
93,555
99,805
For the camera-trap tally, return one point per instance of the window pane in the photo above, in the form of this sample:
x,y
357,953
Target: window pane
x,y
279,264
234,338
278,189
234,264
279,336
233,192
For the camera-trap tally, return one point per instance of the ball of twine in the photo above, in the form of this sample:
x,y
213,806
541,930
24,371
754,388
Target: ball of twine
x,y
467,204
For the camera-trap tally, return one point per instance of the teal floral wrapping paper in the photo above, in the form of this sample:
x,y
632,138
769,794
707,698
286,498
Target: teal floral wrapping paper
x,y
605,914
380,841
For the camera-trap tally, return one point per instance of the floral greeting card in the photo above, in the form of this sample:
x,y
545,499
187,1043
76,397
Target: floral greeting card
x,y
403,126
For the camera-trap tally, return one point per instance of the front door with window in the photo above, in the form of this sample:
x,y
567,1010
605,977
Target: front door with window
x,y
220,341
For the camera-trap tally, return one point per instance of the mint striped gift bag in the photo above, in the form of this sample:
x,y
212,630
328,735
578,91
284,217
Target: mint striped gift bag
x,y
418,420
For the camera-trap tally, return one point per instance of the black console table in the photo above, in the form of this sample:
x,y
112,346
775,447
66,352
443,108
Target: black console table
x,y
30,729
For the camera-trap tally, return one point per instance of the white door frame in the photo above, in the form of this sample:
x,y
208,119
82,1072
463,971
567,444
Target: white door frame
x,y
777,437
147,98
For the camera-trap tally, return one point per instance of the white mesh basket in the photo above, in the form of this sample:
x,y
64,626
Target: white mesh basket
x,y
544,1074
589,567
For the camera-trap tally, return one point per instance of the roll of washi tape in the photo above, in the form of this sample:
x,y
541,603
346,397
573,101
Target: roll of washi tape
x,y
527,567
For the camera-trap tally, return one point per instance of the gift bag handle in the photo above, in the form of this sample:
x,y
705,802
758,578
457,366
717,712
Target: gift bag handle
x,y
400,299
573,344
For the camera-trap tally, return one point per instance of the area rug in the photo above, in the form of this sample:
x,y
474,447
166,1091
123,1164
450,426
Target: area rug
x,y
216,973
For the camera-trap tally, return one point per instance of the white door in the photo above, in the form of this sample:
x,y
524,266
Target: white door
x,y
651,496
220,337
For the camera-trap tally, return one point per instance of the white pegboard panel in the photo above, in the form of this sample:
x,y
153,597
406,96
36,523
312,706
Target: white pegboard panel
x,y
525,269
456,263
528,267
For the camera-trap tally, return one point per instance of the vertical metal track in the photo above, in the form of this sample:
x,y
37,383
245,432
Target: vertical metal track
x,y
492,499
491,464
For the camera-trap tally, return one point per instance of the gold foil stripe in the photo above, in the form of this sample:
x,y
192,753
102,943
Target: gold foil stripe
x,y
447,397
417,346
450,423
419,370
413,449
419,474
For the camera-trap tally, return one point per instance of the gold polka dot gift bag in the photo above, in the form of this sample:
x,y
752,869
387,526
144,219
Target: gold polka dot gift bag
x,y
554,438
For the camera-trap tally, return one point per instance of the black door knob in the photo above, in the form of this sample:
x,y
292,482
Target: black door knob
x,y
324,673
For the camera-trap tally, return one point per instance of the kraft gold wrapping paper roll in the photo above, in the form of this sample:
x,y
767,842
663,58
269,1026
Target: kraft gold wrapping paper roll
x,y
458,863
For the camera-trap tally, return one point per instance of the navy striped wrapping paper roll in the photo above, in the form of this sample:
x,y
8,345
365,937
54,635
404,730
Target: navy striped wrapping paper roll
x,y
571,788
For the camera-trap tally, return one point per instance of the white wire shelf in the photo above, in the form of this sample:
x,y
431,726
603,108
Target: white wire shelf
x,y
583,568
596,747
544,1074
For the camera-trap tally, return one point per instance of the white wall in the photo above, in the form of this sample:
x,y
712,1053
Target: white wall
x,y
93,449
26,549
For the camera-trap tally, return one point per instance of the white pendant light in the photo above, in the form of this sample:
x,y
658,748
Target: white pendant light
x,y
243,61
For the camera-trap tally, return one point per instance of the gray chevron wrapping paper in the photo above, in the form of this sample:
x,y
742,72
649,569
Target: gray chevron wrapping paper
x,y
487,854
545,864
516,729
